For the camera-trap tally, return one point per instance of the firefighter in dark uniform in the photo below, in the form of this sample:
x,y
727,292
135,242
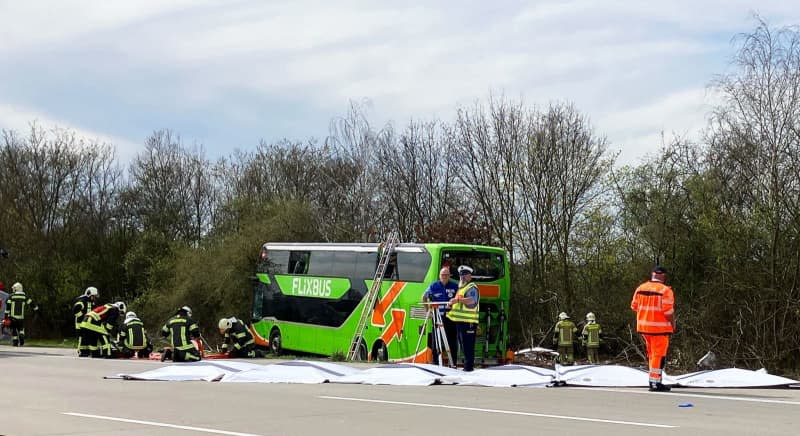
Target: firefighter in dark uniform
x,y
83,305
181,329
14,319
236,334
97,327
133,338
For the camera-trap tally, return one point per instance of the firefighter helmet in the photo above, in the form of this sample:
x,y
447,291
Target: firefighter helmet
x,y
129,316
186,309
224,325
562,316
590,317
91,291
121,306
16,287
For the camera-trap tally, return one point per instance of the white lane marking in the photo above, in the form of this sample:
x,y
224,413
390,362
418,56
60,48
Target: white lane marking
x,y
507,412
681,394
160,424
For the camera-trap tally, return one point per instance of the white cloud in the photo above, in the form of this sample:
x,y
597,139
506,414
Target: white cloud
x,y
24,25
640,131
636,68
19,119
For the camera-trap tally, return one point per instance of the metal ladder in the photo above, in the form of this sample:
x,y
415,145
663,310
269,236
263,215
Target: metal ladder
x,y
372,295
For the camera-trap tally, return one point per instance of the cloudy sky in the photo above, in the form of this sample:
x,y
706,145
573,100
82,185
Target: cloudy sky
x,y
228,73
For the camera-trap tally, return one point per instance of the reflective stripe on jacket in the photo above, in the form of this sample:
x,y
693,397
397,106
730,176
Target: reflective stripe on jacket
x,y
102,319
133,335
82,306
565,329
592,334
460,312
16,304
180,331
654,303
239,336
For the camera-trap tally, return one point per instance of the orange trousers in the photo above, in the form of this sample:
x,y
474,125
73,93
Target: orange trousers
x,y
657,346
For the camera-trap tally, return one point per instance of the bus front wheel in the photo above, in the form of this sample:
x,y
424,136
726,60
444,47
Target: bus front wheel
x,y
275,341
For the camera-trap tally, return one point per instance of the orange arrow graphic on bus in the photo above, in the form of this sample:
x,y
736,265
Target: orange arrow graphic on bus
x,y
383,305
395,329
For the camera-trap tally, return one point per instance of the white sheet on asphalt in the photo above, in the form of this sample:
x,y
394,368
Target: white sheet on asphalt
x,y
407,374
295,371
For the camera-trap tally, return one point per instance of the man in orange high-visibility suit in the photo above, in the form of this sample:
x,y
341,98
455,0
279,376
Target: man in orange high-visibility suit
x,y
654,304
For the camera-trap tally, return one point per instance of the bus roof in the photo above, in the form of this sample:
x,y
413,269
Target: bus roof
x,y
364,247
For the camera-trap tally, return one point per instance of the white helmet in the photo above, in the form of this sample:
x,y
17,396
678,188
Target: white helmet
x,y
590,317
120,305
16,287
187,310
562,316
129,316
225,324
91,291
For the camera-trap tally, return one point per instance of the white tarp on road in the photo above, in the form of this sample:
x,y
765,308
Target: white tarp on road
x,y
208,370
506,375
295,371
732,378
400,374
605,376
407,374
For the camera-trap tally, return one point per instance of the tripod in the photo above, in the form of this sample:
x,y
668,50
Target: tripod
x,y
439,336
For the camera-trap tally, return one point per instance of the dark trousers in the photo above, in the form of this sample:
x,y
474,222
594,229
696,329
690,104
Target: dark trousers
x,y
17,328
84,342
143,353
190,355
95,344
451,334
245,352
466,334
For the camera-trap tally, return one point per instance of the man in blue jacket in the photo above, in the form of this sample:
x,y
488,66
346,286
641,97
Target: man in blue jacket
x,y
442,291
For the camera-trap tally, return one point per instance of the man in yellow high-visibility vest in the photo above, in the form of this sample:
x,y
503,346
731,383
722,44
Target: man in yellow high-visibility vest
x,y
464,312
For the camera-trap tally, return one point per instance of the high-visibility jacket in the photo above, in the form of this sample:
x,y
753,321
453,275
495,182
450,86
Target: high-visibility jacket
x,y
132,335
654,304
181,329
460,312
82,306
591,335
101,319
565,329
16,304
239,336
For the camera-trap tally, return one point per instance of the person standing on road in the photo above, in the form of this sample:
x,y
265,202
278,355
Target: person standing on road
x,y
83,305
14,318
654,304
442,291
564,337
591,338
464,309
181,329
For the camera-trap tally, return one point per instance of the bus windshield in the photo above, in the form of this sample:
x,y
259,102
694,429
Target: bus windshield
x,y
487,267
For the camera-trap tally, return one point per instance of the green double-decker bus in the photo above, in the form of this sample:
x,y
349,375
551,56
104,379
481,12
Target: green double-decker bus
x,y
308,298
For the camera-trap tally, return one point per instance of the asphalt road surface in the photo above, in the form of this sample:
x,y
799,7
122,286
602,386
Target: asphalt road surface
x,y
51,392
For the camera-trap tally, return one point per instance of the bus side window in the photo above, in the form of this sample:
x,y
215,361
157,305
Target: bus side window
x,y
298,262
391,268
320,263
365,266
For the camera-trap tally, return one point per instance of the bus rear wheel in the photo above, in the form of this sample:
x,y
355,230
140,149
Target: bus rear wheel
x,y
275,342
362,352
379,352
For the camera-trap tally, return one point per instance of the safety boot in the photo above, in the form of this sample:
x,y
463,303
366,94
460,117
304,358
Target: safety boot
x,y
659,387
